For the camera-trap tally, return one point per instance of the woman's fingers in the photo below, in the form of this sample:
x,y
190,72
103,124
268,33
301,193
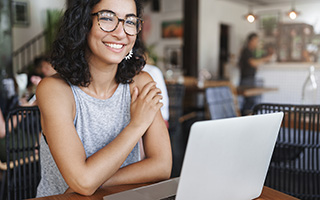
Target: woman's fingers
x,y
145,104
147,88
152,93
156,99
134,95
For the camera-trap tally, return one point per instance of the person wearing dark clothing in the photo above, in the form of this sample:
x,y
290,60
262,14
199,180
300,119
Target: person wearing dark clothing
x,y
247,70
248,64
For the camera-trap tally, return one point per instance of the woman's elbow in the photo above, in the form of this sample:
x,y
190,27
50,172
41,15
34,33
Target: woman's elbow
x,y
83,186
165,170
84,191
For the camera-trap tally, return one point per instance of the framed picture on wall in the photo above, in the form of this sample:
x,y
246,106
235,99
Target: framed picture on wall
x,y
20,13
172,29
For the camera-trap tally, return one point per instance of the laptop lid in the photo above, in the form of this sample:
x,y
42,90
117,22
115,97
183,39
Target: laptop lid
x,y
228,158
225,159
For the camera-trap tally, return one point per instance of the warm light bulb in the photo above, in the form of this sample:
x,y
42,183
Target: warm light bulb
x,y
250,18
293,15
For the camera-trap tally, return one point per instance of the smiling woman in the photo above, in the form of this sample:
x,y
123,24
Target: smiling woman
x,y
98,106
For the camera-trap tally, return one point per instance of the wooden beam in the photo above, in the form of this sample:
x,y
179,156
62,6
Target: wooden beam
x,y
190,39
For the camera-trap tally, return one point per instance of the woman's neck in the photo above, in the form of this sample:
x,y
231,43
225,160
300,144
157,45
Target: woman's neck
x,y
103,83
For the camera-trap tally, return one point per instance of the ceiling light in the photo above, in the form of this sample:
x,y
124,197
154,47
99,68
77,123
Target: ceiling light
x,y
293,14
250,17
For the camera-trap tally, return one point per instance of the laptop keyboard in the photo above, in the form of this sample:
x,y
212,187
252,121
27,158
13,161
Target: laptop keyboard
x,y
170,198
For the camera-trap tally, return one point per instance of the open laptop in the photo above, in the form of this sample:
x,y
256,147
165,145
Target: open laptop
x,y
225,159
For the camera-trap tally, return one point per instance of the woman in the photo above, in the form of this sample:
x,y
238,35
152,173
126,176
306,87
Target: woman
x,y
98,106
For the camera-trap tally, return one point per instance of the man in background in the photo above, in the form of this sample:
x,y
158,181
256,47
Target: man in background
x,y
248,64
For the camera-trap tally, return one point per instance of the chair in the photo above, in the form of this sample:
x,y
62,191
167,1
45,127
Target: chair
x,y
22,170
220,102
295,163
176,94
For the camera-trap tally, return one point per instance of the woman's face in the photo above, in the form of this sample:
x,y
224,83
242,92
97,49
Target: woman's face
x,y
110,47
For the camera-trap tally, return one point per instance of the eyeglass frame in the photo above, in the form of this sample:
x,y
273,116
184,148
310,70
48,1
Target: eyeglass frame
x,y
119,20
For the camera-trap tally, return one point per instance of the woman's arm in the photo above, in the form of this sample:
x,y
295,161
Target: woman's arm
x,y
158,162
85,175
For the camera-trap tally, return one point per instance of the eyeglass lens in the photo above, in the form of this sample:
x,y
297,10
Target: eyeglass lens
x,y
109,21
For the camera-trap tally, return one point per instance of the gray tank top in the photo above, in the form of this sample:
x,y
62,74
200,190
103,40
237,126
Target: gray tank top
x,y
97,123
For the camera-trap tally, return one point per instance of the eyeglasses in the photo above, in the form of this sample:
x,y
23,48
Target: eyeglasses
x,y
109,21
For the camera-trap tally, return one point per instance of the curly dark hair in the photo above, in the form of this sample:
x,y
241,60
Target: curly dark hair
x,y
68,55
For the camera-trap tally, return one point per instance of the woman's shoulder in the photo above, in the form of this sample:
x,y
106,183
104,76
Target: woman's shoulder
x,y
54,82
140,80
53,87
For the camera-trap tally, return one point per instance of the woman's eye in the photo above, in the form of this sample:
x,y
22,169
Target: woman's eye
x,y
131,23
106,19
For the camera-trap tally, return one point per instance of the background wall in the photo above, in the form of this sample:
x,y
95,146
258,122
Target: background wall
x,y
212,14
309,13
288,78
216,12
37,10
169,10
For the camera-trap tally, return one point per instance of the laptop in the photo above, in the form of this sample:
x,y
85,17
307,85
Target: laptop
x,y
225,159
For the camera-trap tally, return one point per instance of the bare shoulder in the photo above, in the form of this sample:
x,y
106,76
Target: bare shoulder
x,y
141,80
53,91
52,85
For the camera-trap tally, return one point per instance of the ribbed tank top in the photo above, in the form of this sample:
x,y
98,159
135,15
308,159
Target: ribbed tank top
x,y
97,123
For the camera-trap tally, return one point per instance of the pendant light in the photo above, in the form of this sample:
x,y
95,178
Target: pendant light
x,y
293,14
250,17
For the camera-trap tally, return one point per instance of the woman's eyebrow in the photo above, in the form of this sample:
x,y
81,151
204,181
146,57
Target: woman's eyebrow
x,y
107,11
130,15
127,15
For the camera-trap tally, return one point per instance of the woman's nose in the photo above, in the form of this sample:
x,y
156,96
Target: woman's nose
x,y
120,29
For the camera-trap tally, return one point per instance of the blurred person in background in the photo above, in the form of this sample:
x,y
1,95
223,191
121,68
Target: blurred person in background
x,y
248,64
43,67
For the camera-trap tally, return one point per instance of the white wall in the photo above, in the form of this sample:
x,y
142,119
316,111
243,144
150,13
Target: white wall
x,y
212,13
169,10
37,11
288,78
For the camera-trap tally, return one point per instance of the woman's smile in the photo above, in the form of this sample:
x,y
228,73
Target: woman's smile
x,y
114,46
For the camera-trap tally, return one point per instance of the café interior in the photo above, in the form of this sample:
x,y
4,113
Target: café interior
x,y
197,46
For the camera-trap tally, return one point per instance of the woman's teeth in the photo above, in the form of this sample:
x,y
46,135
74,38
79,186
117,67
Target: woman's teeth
x,y
115,46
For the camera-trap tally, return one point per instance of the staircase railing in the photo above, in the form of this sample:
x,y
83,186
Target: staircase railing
x,y
24,56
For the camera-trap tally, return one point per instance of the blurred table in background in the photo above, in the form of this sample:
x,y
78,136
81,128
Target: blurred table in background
x,y
194,94
253,91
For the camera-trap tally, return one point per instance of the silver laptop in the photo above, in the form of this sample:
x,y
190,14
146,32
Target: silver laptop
x,y
225,159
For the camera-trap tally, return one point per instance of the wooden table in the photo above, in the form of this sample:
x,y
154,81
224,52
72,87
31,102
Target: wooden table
x,y
191,84
267,194
253,91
